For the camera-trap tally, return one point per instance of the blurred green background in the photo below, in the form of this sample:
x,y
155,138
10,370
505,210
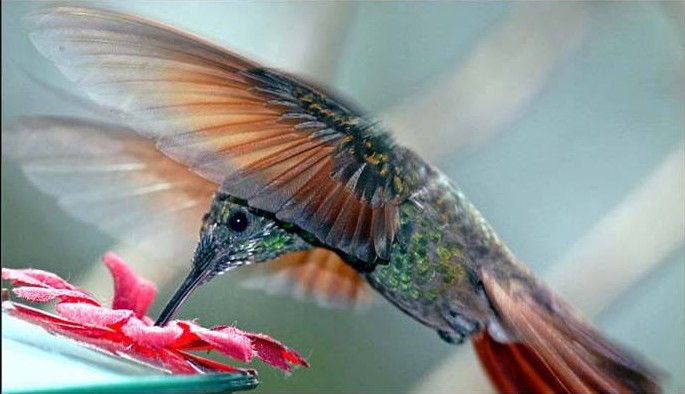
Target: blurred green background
x,y
549,116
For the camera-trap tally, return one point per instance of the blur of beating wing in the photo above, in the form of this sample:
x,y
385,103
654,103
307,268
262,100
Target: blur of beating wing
x,y
109,176
112,178
318,274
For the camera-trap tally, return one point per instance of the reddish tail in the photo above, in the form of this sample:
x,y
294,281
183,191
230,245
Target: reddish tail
x,y
555,352
517,368
514,368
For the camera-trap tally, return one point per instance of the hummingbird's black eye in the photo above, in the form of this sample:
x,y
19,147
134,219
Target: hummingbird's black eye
x,y
238,221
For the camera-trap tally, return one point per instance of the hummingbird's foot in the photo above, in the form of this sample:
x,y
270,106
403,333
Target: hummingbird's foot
x,y
462,328
451,337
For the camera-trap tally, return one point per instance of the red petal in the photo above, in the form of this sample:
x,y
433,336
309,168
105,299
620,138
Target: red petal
x,y
229,341
109,341
41,294
130,291
91,315
275,353
179,362
98,336
171,360
152,336
106,340
119,332
37,278
116,343
35,316
211,365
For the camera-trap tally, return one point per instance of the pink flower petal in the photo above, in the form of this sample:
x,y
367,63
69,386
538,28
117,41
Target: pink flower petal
x,y
100,337
152,336
211,365
92,315
126,331
40,294
37,278
115,343
275,353
36,316
170,359
229,341
130,291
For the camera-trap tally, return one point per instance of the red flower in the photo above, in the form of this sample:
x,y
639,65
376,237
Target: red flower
x,y
124,330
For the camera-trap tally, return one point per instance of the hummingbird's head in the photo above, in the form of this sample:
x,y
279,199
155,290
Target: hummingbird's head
x,y
233,235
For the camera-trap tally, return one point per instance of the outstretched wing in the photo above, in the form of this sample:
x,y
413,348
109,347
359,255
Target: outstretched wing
x,y
317,274
267,138
109,176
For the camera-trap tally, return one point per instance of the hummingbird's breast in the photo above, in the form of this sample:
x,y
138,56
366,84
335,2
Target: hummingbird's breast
x,y
432,273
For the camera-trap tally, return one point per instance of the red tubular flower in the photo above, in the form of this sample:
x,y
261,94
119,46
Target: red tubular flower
x,y
124,330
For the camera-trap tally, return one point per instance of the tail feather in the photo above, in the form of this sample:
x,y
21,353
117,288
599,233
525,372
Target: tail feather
x,y
513,368
555,351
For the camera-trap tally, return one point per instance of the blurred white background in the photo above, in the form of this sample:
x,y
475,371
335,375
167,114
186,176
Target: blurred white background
x,y
563,122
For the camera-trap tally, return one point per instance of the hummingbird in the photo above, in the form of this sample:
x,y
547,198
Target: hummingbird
x,y
300,177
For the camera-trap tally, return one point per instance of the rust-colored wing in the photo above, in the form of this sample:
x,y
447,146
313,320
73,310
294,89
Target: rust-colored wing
x,y
111,177
267,138
317,274
555,351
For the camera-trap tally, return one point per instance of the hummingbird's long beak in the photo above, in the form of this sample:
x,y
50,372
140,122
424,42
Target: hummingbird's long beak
x,y
194,279
204,264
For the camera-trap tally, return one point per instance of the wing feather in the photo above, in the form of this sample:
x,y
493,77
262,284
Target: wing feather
x,y
318,274
250,129
109,176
